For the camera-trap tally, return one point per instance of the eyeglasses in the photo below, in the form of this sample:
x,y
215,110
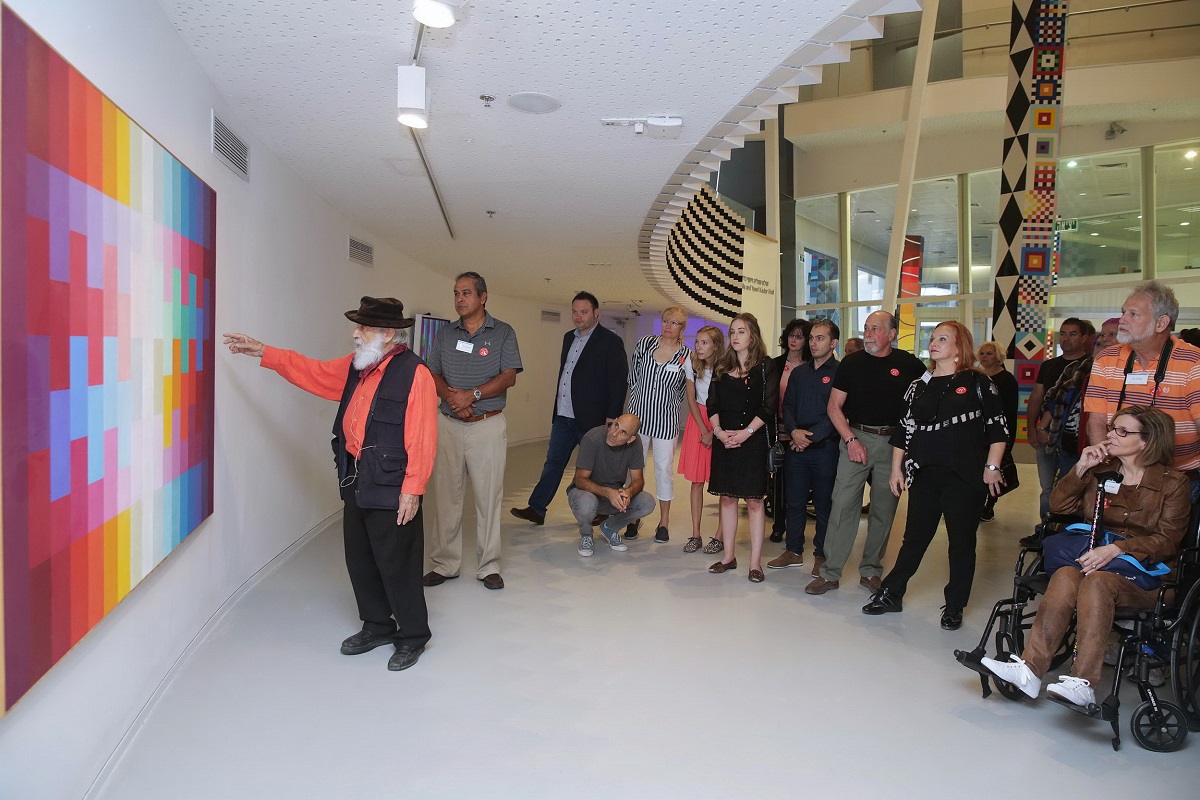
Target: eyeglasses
x,y
795,335
1122,432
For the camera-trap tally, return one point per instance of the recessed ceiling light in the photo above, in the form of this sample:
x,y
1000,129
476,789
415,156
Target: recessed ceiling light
x,y
1072,163
1083,194
533,102
1184,224
1104,245
1095,234
1189,155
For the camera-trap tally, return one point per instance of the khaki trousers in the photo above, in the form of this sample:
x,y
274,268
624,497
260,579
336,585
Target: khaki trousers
x,y
847,509
475,450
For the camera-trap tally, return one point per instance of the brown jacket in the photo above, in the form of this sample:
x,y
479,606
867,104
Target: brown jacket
x,y
1153,516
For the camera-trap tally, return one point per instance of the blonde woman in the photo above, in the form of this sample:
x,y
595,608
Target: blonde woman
x,y
741,406
656,387
695,454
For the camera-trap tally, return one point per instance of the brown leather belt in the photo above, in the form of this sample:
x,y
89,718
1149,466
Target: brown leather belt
x,y
878,430
479,418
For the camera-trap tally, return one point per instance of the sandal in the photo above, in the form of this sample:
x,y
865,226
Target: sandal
x,y
693,544
756,576
714,545
721,566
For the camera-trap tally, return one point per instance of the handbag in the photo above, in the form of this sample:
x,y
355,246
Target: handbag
x,y
774,452
1065,548
1008,471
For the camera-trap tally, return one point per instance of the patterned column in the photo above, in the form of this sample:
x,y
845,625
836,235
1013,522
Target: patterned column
x,y
1028,187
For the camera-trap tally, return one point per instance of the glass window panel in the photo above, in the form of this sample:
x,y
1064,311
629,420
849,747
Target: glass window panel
x,y
1177,234
986,242
1101,193
817,268
870,232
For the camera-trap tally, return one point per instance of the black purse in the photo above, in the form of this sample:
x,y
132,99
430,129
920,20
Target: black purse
x,y
774,452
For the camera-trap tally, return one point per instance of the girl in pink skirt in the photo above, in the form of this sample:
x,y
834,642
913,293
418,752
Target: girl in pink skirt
x,y
696,452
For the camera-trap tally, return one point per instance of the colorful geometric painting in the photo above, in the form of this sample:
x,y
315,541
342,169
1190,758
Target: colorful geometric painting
x,y
106,375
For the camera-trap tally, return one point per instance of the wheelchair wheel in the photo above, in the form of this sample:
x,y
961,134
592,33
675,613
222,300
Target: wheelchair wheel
x,y
1185,664
1162,731
1066,649
1008,644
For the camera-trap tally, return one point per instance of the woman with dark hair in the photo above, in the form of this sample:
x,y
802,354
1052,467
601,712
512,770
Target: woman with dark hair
x,y
992,365
742,401
794,342
1148,503
947,450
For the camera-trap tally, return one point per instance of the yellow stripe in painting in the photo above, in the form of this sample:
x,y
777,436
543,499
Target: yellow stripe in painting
x,y
123,132
109,571
168,405
123,554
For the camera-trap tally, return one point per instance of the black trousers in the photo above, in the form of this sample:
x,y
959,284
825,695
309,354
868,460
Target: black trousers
x,y
936,492
385,562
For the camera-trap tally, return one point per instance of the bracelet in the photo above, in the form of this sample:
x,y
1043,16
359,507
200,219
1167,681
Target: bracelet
x,y
852,439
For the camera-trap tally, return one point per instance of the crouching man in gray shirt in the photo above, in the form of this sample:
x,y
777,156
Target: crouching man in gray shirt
x,y
607,454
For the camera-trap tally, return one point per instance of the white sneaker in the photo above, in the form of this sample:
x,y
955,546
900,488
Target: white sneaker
x,y
1074,690
585,546
1016,672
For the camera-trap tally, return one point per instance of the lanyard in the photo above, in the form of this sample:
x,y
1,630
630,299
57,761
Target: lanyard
x,y
1159,373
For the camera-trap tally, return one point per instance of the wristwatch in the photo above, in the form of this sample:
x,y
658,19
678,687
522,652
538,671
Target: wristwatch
x,y
478,394
993,467
852,439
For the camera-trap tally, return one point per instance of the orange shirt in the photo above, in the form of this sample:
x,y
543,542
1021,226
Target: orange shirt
x,y
328,378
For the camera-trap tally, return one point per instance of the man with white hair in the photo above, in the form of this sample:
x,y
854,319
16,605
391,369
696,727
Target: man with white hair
x,y
384,441
1150,367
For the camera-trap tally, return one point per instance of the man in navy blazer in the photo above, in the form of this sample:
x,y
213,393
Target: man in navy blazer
x,y
593,376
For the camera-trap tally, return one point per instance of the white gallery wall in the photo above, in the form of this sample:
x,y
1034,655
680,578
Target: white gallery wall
x,y
282,276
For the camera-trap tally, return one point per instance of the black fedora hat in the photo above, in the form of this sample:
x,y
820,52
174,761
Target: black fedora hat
x,y
380,312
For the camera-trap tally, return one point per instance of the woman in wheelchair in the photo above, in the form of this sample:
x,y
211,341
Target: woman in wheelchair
x,y
1148,505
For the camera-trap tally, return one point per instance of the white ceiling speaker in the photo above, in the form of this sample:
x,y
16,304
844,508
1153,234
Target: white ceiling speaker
x,y
436,13
663,127
412,97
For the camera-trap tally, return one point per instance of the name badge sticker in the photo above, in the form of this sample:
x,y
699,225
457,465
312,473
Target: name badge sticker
x,y
672,368
1111,487
1137,379
464,347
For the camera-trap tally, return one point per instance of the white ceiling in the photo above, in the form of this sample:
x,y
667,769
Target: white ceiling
x,y
316,81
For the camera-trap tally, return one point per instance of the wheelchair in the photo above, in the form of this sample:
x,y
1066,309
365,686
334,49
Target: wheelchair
x,y
1165,637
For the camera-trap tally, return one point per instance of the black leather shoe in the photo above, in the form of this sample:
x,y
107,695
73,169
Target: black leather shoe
x,y
883,602
951,618
529,515
404,657
364,642
777,536
436,578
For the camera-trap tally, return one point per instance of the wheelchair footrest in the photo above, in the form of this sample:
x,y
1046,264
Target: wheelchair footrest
x,y
972,660
1105,711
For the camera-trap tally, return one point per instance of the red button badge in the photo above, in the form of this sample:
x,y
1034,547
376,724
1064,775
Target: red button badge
x,y
483,351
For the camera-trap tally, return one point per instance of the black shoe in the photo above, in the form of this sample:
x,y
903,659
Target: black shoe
x,y
883,602
951,618
776,536
631,530
528,514
404,657
987,515
661,535
363,642
1032,542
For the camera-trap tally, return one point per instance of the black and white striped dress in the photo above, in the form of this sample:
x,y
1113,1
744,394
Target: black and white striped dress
x,y
656,390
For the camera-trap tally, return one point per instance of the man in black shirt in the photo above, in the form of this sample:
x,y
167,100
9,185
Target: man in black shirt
x,y
865,406
1075,339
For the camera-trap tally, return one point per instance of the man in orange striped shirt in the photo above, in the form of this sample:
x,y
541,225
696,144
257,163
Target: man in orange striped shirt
x,y
385,439
1134,373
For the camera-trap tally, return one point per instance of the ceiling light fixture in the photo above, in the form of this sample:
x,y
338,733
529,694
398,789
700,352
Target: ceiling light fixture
x,y
1072,163
1189,155
436,13
412,97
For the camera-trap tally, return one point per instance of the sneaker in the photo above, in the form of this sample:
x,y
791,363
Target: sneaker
x,y
661,534
586,547
631,530
884,602
714,545
788,559
1073,690
614,539
1016,672
951,618
987,515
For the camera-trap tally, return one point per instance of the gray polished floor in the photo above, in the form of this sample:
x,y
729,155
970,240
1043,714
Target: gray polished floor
x,y
632,674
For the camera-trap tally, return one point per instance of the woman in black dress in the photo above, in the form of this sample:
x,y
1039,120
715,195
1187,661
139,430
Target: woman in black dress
x,y
741,405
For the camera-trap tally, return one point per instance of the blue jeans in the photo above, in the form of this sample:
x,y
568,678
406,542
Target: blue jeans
x,y
1051,467
813,470
564,438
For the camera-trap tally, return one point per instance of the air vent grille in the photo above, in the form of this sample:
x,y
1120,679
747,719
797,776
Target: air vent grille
x,y
551,316
230,149
360,252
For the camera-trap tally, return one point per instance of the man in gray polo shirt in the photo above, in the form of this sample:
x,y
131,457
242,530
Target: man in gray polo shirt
x,y
474,361
607,454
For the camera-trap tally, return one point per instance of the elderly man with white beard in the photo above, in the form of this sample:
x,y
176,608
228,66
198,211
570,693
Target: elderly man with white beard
x,y
384,442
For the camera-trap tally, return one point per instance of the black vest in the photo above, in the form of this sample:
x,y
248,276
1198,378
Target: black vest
x,y
383,461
